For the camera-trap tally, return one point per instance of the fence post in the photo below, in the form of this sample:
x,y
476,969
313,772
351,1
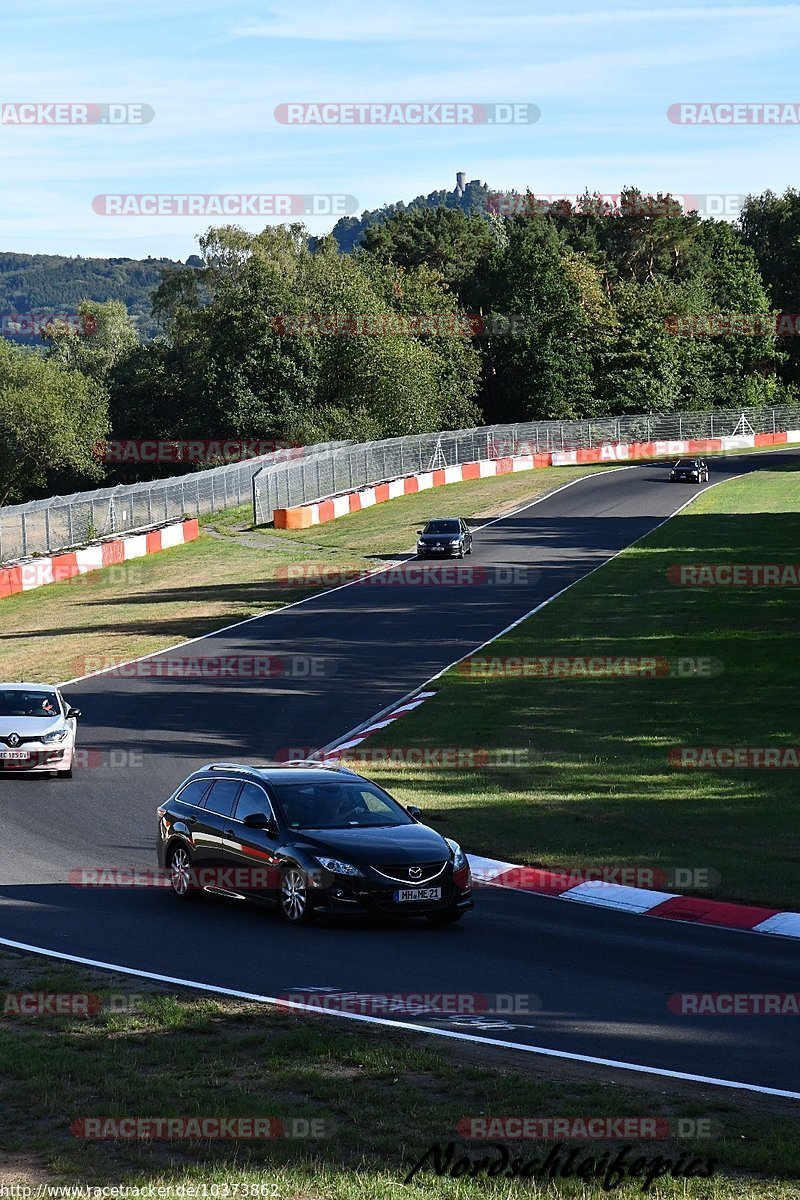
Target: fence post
x,y
24,534
47,527
712,424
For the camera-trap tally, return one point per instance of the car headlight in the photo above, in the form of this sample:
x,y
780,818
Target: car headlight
x,y
338,867
459,857
49,739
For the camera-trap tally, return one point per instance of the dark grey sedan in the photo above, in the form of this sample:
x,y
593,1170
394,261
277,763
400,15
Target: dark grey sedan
x,y
444,537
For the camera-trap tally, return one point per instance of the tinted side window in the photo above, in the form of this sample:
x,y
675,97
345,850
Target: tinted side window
x,y
252,800
193,792
222,797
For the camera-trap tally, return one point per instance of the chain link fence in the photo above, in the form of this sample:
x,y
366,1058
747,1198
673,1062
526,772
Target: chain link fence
x,y
283,478
354,465
59,522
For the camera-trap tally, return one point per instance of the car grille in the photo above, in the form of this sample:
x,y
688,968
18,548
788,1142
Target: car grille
x,y
413,873
20,740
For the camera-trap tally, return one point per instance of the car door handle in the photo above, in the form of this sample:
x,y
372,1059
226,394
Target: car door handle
x,y
229,832
191,820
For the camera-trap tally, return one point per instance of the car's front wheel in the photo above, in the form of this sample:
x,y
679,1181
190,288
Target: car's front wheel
x,y
181,873
294,902
66,773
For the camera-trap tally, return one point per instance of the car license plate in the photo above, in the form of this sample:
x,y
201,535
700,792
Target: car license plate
x,y
403,895
17,755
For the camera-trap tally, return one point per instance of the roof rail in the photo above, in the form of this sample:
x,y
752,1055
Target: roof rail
x,y
225,766
310,763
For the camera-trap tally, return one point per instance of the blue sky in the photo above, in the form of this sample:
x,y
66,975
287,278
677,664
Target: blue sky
x,y
603,78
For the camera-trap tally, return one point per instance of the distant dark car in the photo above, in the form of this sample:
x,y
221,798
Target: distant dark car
x,y
308,840
444,536
689,470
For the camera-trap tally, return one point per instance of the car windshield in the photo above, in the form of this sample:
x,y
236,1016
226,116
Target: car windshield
x,y
328,804
685,463
442,527
18,703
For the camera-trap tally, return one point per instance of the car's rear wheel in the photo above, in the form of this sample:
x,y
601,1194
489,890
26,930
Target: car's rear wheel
x,y
294,901
181,871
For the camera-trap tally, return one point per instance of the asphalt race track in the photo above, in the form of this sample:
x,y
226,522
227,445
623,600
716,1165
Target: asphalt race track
x,y
603,978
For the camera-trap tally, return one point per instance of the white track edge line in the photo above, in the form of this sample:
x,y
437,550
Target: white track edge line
x,y
362,1017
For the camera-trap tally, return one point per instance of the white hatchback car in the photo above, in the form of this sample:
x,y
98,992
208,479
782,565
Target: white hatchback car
x,y
37,729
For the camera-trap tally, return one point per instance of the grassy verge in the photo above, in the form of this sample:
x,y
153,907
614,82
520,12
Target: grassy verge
x,y
596,788
383,1099
231,572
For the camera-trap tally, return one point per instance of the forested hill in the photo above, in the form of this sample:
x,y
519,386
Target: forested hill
x,y
55,283
349,231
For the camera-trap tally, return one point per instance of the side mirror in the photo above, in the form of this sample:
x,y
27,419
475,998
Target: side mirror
x,y
419,531
73,712
413,811
259,821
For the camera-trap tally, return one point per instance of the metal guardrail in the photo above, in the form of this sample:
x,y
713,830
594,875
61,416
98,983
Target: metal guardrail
x,y
353,465
58,522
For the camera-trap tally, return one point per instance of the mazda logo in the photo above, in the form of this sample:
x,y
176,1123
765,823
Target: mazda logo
x,y
414,872
13,739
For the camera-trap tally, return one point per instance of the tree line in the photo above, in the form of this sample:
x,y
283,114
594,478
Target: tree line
x,y
444,315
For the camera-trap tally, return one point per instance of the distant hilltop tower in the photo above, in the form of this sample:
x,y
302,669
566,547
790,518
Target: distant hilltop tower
x,y
461,183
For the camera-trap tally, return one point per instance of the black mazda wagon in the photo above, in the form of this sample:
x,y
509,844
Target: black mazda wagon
x,y
310,840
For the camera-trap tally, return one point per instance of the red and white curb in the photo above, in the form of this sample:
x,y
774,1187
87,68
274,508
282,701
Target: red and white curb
x,y
305,516
562,885
32,573
490,872
333,755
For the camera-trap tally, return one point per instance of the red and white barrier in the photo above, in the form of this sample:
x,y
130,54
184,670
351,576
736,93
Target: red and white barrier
x,y
36,572
306,515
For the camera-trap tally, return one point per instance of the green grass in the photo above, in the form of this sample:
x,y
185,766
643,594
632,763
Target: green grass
x,y
230,573
385,1097
597,788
